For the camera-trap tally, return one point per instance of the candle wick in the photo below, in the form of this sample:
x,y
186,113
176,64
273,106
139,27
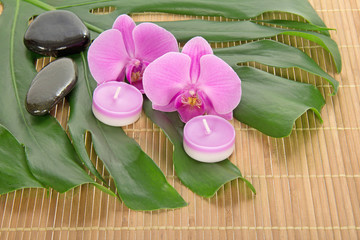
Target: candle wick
x,y
207,128
116,95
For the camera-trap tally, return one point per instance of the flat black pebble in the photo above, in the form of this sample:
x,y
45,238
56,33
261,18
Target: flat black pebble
x,y
57,33
50,85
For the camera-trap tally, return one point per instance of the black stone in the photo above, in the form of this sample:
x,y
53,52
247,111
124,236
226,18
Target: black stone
x,y
50,85
57,33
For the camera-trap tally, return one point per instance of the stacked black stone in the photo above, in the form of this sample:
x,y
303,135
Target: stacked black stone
x,y
56,34
50,85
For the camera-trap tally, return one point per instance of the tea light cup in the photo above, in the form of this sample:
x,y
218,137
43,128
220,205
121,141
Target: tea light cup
x,y
209,138
117,103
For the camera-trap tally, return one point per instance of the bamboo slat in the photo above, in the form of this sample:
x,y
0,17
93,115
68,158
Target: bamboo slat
x,y
308,184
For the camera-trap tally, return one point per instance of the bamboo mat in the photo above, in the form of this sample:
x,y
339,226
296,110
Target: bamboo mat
x,y
308,184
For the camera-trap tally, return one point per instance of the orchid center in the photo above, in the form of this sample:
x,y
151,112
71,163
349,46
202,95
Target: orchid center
x,y
136,76
190,104
135,70
191,99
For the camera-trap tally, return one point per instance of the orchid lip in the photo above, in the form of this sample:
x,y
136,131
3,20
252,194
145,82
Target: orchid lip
x,y
134,72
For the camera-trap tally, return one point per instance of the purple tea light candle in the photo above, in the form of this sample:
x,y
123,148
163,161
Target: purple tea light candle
x,y
117,103
209,138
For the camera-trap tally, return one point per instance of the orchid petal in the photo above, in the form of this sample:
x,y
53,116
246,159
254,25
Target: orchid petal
x,y
209,108
107,57
220,83
126,25
166,77
196,48
139,86
187,111
152,41
168,108
227,116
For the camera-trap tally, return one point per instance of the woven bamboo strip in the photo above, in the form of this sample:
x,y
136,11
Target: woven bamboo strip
x,y
308,183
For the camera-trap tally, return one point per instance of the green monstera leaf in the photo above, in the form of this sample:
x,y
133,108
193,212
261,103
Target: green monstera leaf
x,y
248,30
14,170
47,158
139,181
202,178
279,102
274,54
51,157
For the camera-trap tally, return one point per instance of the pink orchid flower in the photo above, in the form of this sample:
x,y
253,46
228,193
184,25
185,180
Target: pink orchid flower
x,y
127,49
193,82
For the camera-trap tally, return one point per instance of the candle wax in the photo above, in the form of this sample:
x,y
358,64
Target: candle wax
x,y
117,103
209,138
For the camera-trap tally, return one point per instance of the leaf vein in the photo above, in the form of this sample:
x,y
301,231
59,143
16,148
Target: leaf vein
x,y
83,4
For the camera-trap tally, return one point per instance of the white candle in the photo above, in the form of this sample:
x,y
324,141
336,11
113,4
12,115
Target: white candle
x,y
209,138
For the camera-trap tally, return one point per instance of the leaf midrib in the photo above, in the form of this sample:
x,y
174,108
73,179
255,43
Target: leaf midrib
x,y
12,70
14,83
97,121
90,95
13,77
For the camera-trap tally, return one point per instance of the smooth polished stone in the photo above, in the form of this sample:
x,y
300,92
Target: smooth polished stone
x,y
57,33
50,85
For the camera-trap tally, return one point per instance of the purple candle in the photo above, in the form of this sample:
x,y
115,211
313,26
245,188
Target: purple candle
x,y
117,103
209,138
